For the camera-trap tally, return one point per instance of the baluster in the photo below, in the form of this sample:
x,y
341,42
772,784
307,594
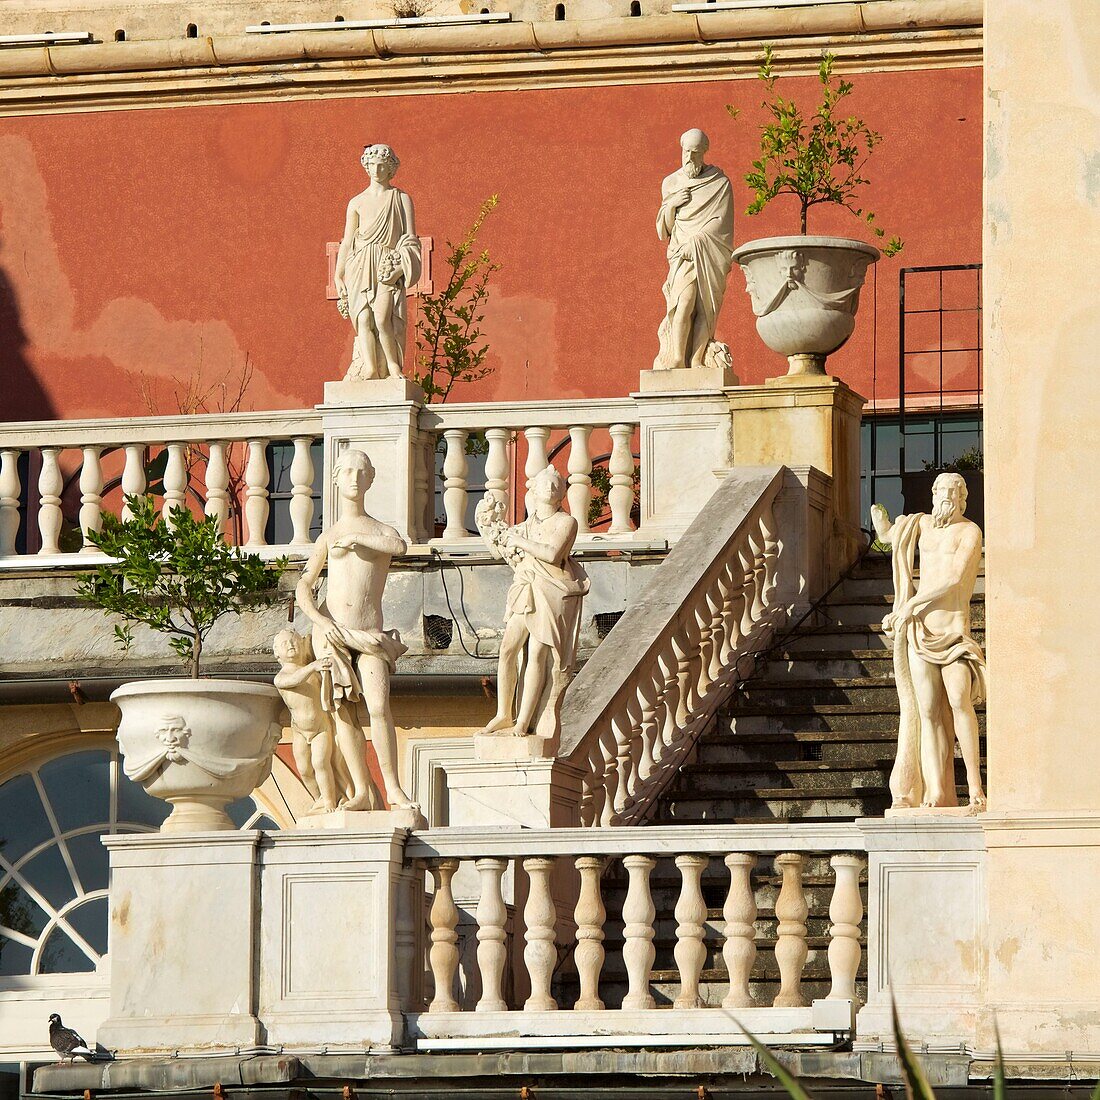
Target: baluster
x,y
670,701
133,477
790,948
91,499
590,915
634,740
691,913
846,913
731,613
690,684
491,949
681,647
638,932
716,600
217,485
174,480
256,479
620,467
620,727
705,630
443,955
455,472
770,530
609,750
422,487
647,723
301,492
580,480
9,501
756,543
748,580
592,792
540,956
496,463
739,913
50,484
536,460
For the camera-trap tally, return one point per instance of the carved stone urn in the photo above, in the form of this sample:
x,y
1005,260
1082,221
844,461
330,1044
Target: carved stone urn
x,y
805,291
198,745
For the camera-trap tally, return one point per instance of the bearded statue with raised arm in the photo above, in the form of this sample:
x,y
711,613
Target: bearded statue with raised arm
x,y
938,667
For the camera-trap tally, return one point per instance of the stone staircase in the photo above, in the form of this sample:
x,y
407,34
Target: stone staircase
x,y
809,738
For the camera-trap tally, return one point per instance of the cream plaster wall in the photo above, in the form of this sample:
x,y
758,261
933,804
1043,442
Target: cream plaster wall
x,y
1042,421
1042,414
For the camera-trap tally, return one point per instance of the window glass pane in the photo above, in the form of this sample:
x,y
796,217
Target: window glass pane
x,y
48,874
23,821
79,788
90,860
9,1079
90,921
265,822
240,811
920,443
15,958
61,956
138,808
20,912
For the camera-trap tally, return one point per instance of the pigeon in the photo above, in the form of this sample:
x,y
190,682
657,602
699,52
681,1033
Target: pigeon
x,y
67,1042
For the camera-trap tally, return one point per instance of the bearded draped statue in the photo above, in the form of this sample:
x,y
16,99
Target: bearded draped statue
x,y
938,667
378,263
696,218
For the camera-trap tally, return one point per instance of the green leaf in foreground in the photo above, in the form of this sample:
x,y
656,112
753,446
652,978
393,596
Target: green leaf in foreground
x,y
775,1067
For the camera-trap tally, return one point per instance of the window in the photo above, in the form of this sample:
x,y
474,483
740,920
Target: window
x,y
53,868
280,529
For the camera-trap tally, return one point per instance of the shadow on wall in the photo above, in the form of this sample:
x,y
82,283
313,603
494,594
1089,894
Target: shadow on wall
x,y
23,398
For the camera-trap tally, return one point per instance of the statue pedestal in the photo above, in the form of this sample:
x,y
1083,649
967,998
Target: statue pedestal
x,y
364,821
507,746
686,379
930,813
372,391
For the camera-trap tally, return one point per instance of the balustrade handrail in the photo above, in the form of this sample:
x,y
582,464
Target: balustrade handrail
x,y
174,428
476,415
632,713
654,840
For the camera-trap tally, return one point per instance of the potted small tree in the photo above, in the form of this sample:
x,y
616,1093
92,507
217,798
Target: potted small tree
x,y
196,743
805,289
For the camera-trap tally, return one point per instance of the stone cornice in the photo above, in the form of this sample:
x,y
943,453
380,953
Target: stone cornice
x,y
877,35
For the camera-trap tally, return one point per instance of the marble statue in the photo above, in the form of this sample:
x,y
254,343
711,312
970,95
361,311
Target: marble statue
x,y
348,633
378,262
696,218
301,681
938,667
542,614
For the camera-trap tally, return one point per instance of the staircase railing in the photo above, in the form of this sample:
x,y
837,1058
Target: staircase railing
x,y
637,707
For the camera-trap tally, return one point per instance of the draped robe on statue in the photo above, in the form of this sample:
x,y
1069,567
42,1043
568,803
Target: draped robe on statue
x,y
700,251
916,640
388,232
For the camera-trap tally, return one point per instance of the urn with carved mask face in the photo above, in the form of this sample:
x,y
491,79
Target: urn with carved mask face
x,y
198,745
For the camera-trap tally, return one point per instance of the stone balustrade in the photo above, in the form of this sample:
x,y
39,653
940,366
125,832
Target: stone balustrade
x,y
551,952
214,463
519,440
635,710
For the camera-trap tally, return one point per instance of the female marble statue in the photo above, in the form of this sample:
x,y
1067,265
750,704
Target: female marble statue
x,y
542,616
378,262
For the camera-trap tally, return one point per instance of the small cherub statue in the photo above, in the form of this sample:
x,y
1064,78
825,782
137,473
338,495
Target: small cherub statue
x,y
300,683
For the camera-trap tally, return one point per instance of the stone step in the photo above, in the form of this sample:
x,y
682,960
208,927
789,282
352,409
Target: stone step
x,y
857,691
833,638
840,665
725,777
771,804
866,611
809,747
882,584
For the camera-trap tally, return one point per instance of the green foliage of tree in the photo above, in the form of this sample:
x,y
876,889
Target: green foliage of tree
x,y
817,159
178,580
450,346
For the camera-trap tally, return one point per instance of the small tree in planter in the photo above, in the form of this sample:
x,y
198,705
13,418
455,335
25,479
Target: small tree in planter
x,y
805,289
198,744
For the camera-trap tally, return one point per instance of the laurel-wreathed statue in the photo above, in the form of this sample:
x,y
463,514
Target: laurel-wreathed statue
x,y
542,615
377,265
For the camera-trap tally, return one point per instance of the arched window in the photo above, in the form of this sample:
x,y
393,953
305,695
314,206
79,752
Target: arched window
x,y
53,868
